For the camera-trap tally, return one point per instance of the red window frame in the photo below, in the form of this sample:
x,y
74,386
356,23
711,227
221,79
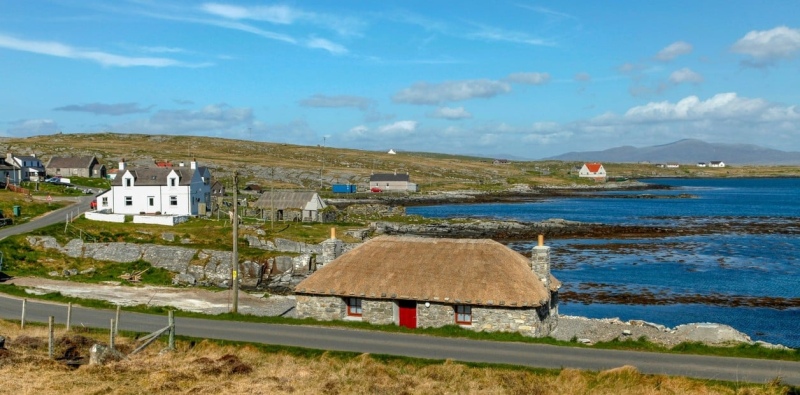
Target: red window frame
x,y
354,308
464,315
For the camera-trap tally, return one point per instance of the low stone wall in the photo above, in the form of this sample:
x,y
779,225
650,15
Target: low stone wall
x,y
104,217
190,264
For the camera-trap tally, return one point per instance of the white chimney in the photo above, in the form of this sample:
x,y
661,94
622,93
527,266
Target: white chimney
x,y
193,163
122,164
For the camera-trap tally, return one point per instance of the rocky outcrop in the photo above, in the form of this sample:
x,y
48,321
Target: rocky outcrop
x,y
191,266
471,228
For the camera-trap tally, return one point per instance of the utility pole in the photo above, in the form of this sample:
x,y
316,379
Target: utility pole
x,y
272,201
235,259
323,162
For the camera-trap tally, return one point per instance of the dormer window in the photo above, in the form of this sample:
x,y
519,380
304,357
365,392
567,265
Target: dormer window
x,y
129,182
173,182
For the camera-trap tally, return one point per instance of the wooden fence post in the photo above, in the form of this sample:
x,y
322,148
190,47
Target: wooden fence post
x,y
171,323
22,323
69,316
50,339
111,336
116,322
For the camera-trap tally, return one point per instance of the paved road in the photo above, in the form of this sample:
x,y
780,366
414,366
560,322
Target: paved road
x,y
53,217
536,355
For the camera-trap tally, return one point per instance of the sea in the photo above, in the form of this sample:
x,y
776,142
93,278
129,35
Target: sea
x,y
746,275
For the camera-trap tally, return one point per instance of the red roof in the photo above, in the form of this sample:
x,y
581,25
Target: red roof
x,y
593,167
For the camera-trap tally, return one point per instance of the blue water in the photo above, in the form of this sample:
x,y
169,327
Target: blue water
x,y
733,264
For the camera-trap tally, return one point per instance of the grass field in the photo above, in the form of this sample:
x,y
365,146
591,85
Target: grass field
x,y
199,366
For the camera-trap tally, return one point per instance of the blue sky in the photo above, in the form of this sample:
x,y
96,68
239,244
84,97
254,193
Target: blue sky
x,y
508,78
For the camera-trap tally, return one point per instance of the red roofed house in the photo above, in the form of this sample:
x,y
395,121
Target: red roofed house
x,y
593,170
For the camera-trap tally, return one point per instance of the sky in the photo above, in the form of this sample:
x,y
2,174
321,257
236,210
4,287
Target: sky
x,y
515,79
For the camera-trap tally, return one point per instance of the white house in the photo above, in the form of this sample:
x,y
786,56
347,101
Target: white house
x,y
388,182
162,190
25,168
702,164
593,170
716,163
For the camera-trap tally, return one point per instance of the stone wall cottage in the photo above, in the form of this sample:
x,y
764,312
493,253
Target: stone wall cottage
x,y
419,282
292,205
80,166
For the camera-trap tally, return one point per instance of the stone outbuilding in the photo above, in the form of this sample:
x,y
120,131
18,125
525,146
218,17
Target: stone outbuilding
x,y
292,205
419,282
80,166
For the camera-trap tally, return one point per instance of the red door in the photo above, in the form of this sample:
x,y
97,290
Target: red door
x,y
408,313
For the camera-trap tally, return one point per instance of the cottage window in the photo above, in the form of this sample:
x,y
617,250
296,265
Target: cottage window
x,y
104,201
172,182
129,200
173,200
128,182
354,307
151,201
464,315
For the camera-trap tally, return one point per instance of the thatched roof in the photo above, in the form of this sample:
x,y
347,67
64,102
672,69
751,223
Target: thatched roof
x,y
452,271
282,200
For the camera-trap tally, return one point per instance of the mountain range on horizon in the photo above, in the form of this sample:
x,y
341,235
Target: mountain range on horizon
x,y
687,151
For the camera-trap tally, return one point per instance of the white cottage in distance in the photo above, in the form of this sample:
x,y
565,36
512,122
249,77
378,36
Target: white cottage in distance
x,y
161,190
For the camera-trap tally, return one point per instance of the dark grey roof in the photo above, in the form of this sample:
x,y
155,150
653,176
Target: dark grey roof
x,y
155,176
389,177
71,162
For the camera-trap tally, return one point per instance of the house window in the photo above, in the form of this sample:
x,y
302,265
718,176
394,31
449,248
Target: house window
x,y
464,315
104,201
151,201
173,200
354,307
129,200
172,182
128,182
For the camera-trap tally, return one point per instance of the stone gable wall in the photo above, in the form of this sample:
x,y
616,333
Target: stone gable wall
x,y
325,308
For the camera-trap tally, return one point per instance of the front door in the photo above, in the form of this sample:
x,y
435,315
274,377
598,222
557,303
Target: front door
x,y
408,313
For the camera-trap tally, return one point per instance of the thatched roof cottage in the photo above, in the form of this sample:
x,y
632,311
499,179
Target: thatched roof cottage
x,y
422,282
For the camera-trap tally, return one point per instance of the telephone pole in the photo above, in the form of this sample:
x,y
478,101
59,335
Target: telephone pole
x,y
235,259
323,162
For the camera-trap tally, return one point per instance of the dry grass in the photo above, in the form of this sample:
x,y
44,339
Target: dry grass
x,y
210,368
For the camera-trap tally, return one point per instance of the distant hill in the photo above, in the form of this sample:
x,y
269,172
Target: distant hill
x,y
688,151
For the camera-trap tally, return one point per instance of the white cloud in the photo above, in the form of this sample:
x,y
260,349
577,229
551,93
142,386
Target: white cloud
x,y
398,128
425,93
720,106
490,33
674,50
105,109
321,43
340,101
450,113
60,50
529,78
219,119
285,15
766,47
685,75
32,127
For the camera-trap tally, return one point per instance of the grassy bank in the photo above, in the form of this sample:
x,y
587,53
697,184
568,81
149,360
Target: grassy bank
x,y
210,367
